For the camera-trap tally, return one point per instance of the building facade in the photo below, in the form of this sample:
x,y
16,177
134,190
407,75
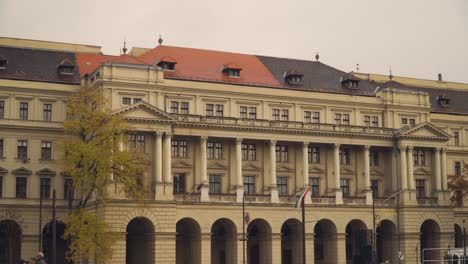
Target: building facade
x,y
221,128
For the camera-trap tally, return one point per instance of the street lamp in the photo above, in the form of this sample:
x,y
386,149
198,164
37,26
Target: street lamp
x,y
464,241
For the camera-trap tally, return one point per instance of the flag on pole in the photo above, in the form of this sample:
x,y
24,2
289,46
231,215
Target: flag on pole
x,y
300,201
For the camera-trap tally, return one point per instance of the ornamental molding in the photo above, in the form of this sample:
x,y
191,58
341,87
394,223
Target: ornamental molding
x,y
217,166
46,172
21,171
376,172
181,164
3,171
424,130
421,171
315,169
346,171
143,111
284,168
250,167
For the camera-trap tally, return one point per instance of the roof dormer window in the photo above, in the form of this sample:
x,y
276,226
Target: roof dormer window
x,y
350,81
293,77
443,100
167,63
3,63
232,70
65,67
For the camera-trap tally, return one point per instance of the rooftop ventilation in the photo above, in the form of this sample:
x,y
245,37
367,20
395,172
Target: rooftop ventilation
x,y
167,63
350,81
293,77
65,67
232,70
443,100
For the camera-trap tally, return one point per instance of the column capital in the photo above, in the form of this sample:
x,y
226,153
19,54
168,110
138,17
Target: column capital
x,y
367,147
168,134
437,149
239,140
443,149
305,143
157,133
272,142
336,145
402,148
203,138
410,147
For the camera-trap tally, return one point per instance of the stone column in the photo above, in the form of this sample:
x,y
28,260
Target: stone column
x,y
410,175
394,170
443,168
273,187
157,165
167,165
403,169
437,171
367,181
239,182
204,196
305,170
336,171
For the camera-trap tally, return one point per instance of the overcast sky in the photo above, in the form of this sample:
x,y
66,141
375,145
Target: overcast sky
x,y
417,38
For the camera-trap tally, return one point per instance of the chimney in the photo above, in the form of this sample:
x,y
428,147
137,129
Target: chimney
x,y
439,77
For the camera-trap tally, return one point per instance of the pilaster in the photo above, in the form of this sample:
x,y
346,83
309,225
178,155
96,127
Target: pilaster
x,y
336,171
239,182
204,191
273,187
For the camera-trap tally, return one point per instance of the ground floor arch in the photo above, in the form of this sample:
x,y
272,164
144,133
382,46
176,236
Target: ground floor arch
x,y
188,241
223,242
358,249
325,243
458,236
61,245
259,242
140,241
10,242
291,242
429,238
386,244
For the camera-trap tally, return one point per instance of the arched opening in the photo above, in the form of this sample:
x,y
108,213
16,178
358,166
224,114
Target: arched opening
x,y
325,247
223,242
358,249
61,245
188,248
259,242
458,236
291,242
10,242
386,242
430,239
140,241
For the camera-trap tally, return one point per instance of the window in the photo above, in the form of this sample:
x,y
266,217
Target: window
x,y
252,112
316,117
179,183
47,112
209,109
174,107
126,100
346,119
248,112
412,121
344,185
373,158
215,183
249,184
375,188
136,142
21,183
404,121
338,119
243,112
456,138
22,151
375,121
219,110
342,119
45,188
23,114
420,188
419,157
215,150
68,192
1,149
284,115
136,100
281,153
458,170
345,156
314,154
249,152
2,109
179,148
46,150
367,121
314,186
276,114
307,117
184,108
282,185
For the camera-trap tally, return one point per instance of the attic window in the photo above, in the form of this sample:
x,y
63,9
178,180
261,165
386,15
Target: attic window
x,y
293,77
3,63
443,100
66,67
350,82
232,70
167,63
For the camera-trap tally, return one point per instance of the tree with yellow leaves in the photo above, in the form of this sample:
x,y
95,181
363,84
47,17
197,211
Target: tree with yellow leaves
x,y
458,184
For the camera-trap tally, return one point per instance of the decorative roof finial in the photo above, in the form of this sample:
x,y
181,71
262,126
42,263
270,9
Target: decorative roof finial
x,y
317,56
124,49
390,75
357,67
160,40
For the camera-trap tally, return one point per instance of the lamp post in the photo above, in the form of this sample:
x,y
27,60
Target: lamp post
x,y
374,232
464,241
243,227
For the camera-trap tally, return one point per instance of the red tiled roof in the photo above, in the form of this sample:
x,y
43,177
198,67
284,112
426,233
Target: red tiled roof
x,y
125,58
90,62
232,66
207,65
168,59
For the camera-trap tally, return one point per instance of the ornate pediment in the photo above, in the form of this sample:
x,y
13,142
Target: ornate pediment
x,y
21,171
3,171
46,172
421,171
376,172
217,166
250,167
143,111
346,170
284,168
423,130
316,170
181,164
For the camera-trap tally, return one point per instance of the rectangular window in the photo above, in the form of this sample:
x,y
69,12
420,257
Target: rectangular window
x,y
215,183
175,148
316,117
253,112
210,150
281,153
375,121
284,115
249,184
314,183
458,170
68,192
338,119
419,157
282,185
45,188
46,150
456,138
22,151
276,114
314,154
23,114
215,150
179,183
375,188
126,100
184,108
47,112
345,156
346,119
2,109
1,149
219,110
420,188
21,184
367,121
249,152
183,149
174,107
209,110
374,158
243,112
404,121
136,142
136,100
179,148
412,121
307,117
344,185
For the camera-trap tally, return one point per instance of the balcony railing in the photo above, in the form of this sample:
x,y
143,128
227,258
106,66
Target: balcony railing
x,y
257,198
282,124
350,200
323,200
427,201
218,197
146,196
